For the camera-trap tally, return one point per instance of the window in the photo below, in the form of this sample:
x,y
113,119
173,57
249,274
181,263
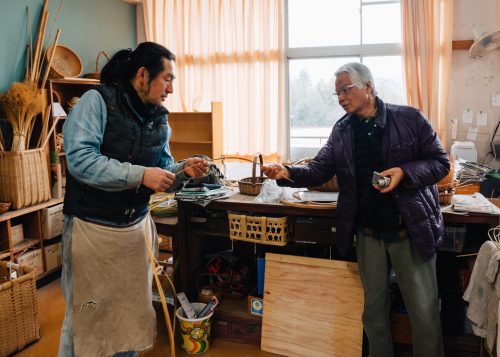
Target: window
x,y
323,35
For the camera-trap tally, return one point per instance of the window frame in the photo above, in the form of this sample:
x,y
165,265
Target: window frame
x,y
361,51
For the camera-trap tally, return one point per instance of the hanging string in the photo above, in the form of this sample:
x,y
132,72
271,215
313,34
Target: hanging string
x,y
223,157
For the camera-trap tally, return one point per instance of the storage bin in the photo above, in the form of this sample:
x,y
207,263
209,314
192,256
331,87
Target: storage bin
x,y
20,324
454,239
255,229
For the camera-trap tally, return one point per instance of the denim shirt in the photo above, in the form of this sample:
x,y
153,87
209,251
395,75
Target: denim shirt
x,y
83,133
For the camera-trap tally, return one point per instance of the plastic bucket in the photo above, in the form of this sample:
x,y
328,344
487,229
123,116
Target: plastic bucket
x,y
195,333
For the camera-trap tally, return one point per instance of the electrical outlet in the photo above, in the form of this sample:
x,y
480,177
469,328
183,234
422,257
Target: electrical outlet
x,y
495,99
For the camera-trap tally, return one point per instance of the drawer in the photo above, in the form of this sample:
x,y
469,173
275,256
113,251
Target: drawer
x,y
210,226
222,327
317,230
248,329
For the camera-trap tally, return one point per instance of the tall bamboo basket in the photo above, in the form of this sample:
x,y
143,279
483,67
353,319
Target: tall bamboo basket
x,y
24,177
20,323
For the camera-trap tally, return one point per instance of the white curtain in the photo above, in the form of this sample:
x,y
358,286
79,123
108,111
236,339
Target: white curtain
x,y
230,51
427,41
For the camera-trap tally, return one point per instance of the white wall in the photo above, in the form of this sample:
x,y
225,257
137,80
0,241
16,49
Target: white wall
x,y
473,81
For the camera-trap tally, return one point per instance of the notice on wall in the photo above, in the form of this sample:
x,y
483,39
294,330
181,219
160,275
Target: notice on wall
x,y
471,134
467,116
482,118
495,99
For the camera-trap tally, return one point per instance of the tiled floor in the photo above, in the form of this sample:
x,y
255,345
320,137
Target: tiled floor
x,y
51,309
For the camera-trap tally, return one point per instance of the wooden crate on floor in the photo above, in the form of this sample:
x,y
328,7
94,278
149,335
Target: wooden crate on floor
x,y
312,307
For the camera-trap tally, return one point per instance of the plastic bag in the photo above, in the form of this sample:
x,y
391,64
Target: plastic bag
x,y
270,192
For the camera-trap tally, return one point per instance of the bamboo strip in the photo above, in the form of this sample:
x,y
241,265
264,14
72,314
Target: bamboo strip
x,y
49,62
39,43
45,126
50,131
54,22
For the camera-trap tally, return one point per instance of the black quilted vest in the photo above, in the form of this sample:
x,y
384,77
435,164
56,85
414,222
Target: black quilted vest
x,y
127,139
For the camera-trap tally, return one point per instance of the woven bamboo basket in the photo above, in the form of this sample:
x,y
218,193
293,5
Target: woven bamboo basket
x,y
24,177
97,73
252,185
66,63
329,186
19,320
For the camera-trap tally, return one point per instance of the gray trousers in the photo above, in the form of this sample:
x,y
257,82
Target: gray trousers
x,y
418,285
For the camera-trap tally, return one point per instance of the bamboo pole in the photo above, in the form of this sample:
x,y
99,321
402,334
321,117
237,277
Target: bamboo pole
x,y
39,50
49,62
45,125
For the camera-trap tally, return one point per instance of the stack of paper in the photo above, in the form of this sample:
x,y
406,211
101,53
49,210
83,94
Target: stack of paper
x,y
474,203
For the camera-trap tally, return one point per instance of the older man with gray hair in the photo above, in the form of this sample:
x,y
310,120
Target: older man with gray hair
x,y
387,159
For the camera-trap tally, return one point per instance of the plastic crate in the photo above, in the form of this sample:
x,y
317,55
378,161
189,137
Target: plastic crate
x,y
454,240
255,229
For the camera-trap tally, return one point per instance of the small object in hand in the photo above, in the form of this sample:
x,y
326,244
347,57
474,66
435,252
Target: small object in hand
x,y
380,181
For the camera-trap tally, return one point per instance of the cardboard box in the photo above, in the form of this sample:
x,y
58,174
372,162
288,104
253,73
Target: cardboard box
x,y
32,258
17,234
52,221
53,256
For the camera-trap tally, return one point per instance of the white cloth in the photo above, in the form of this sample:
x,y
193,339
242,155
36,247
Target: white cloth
x,y
112,280
483,294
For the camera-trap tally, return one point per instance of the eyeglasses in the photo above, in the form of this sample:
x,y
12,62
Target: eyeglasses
x,y
344,91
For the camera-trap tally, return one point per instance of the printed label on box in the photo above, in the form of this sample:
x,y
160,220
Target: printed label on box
x,y
52,221
53,256
32,259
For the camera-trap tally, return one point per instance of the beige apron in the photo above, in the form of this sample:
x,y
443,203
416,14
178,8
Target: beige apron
x,y
112,280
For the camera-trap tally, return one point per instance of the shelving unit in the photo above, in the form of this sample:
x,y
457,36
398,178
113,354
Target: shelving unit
x,y
30,218
196,133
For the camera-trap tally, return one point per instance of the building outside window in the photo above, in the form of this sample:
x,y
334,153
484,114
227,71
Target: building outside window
x,y
321,36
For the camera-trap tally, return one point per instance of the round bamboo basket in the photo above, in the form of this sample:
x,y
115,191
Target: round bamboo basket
x,y
66,63
97,73
252,185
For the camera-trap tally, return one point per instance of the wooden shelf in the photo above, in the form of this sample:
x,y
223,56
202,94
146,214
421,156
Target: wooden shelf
x,y
461,44
196,133
12,214
28,243
4,255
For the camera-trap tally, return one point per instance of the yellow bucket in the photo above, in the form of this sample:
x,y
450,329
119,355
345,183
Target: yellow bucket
x,y
195,332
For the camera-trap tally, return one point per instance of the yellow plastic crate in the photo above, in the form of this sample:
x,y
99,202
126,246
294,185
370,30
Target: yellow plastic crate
x,y
262,230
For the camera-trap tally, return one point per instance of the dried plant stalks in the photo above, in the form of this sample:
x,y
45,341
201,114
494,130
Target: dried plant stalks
x,y
21,104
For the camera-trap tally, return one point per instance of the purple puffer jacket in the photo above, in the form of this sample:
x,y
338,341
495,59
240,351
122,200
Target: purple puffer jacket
x,y
408,142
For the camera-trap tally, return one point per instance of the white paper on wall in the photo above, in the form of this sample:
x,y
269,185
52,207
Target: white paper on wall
x,y
482,119
495,99
471,134
454,128
467,116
